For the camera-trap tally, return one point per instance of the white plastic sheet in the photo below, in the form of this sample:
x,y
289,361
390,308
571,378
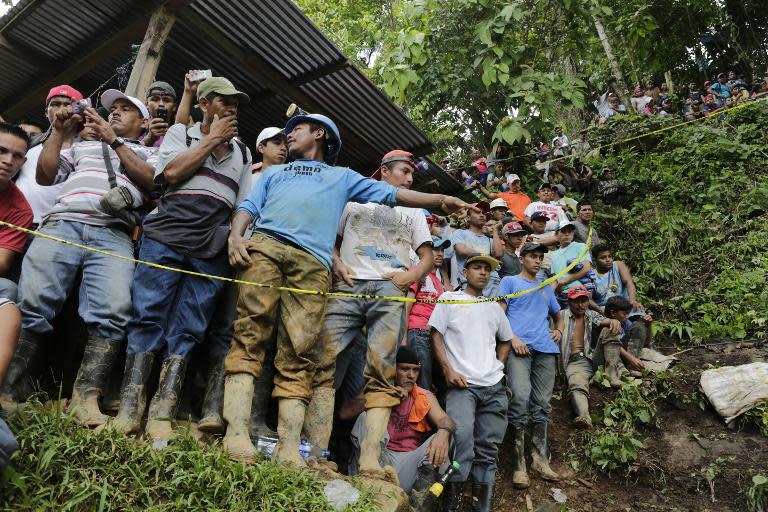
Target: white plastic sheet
x,y
733,390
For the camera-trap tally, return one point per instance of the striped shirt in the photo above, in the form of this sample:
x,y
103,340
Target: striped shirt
x,y
83,172
193,217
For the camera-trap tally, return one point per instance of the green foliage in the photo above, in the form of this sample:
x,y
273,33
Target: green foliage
x,y
63,466
610,449
693,227
757,416
709,473
629,410
757,494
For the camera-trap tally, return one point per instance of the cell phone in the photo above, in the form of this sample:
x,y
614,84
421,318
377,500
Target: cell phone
x,y
162,113
200,75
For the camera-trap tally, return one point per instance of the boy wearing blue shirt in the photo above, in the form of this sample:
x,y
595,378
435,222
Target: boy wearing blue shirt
x,y
295,209
532,362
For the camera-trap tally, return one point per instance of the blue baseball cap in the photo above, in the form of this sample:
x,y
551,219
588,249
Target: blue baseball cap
x,y
440,243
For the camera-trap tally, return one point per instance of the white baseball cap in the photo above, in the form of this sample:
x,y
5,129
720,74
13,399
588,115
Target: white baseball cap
x,y
267,133
512,178
110,96
499,203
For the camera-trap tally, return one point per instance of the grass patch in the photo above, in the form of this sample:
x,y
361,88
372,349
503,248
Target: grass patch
x,y
63,466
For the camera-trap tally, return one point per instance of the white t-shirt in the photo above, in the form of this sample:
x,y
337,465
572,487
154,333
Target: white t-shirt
x,y
470,332
377,239
40,197
553,211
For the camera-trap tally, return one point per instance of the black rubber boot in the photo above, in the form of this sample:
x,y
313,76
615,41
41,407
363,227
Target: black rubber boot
x,y
96,366
133,392
162,409
519,472
482,496
426,475
213,403
16,387
540,452
262,395
453,499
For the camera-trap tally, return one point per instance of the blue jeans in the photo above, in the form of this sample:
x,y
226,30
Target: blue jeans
x,y
171,309
385,322
480,414
8,289
50,268
531,379
419,340
349,380
8,444
221,328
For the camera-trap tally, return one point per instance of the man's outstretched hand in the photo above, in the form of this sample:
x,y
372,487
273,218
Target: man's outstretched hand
x,y
453,204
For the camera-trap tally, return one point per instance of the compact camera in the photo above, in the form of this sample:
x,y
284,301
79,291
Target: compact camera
x,y
199,76
79,106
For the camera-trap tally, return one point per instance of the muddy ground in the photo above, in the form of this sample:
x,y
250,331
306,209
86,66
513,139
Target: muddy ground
x,y
667,474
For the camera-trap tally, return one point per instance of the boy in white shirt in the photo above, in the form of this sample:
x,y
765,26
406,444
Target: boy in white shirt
x,y
464,340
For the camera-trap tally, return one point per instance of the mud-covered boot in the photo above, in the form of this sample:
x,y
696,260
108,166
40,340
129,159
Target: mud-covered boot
x,y
419,496
262,396
238,394
540,452
213,403
133,392
613,363
290,419
580,406
637,335
519,473
453,499
482,496
162,409
16,387
96,366
376,421
318,424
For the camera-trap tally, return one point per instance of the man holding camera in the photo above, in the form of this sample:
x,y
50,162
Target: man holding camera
x,y
205,172
103,183
161,103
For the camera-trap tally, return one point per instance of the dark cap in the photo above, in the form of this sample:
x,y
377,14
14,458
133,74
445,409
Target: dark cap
x,y
544,185
533,247
164,88
539,216
483,206
408,356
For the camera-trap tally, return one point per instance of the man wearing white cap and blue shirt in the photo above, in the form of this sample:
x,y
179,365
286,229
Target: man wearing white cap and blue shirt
x,y
103,183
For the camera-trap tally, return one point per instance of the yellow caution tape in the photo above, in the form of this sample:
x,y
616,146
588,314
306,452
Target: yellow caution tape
x,y
541,285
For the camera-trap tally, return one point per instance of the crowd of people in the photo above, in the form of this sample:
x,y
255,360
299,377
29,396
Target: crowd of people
x,y
168,180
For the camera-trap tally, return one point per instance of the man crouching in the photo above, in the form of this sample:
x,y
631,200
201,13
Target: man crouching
x,y
409,445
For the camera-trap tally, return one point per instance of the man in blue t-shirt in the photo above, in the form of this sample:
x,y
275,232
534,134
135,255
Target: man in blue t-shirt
x,y
569,251
531,364
295,209
473,240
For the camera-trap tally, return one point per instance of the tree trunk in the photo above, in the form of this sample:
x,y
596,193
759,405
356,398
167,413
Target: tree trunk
x,y
615,69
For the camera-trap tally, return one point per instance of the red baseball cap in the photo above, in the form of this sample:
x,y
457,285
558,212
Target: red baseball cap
x,y
64,90
397,155
577,291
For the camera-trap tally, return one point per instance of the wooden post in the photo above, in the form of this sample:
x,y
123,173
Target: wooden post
x,y
150,52
668,79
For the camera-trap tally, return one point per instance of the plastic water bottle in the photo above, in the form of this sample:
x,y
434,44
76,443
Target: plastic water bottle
x,y
307,449
437,488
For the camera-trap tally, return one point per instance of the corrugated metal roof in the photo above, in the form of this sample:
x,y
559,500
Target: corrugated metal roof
x,y
266,47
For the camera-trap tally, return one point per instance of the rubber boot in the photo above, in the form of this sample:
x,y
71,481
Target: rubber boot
x,y
540,453
482,496
95,368
290,419
580,405
376,421
213,403
635,344
318,424
261,400
519,474
238,394
133,392
612,354
162,409
426,475
16,387
453,500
